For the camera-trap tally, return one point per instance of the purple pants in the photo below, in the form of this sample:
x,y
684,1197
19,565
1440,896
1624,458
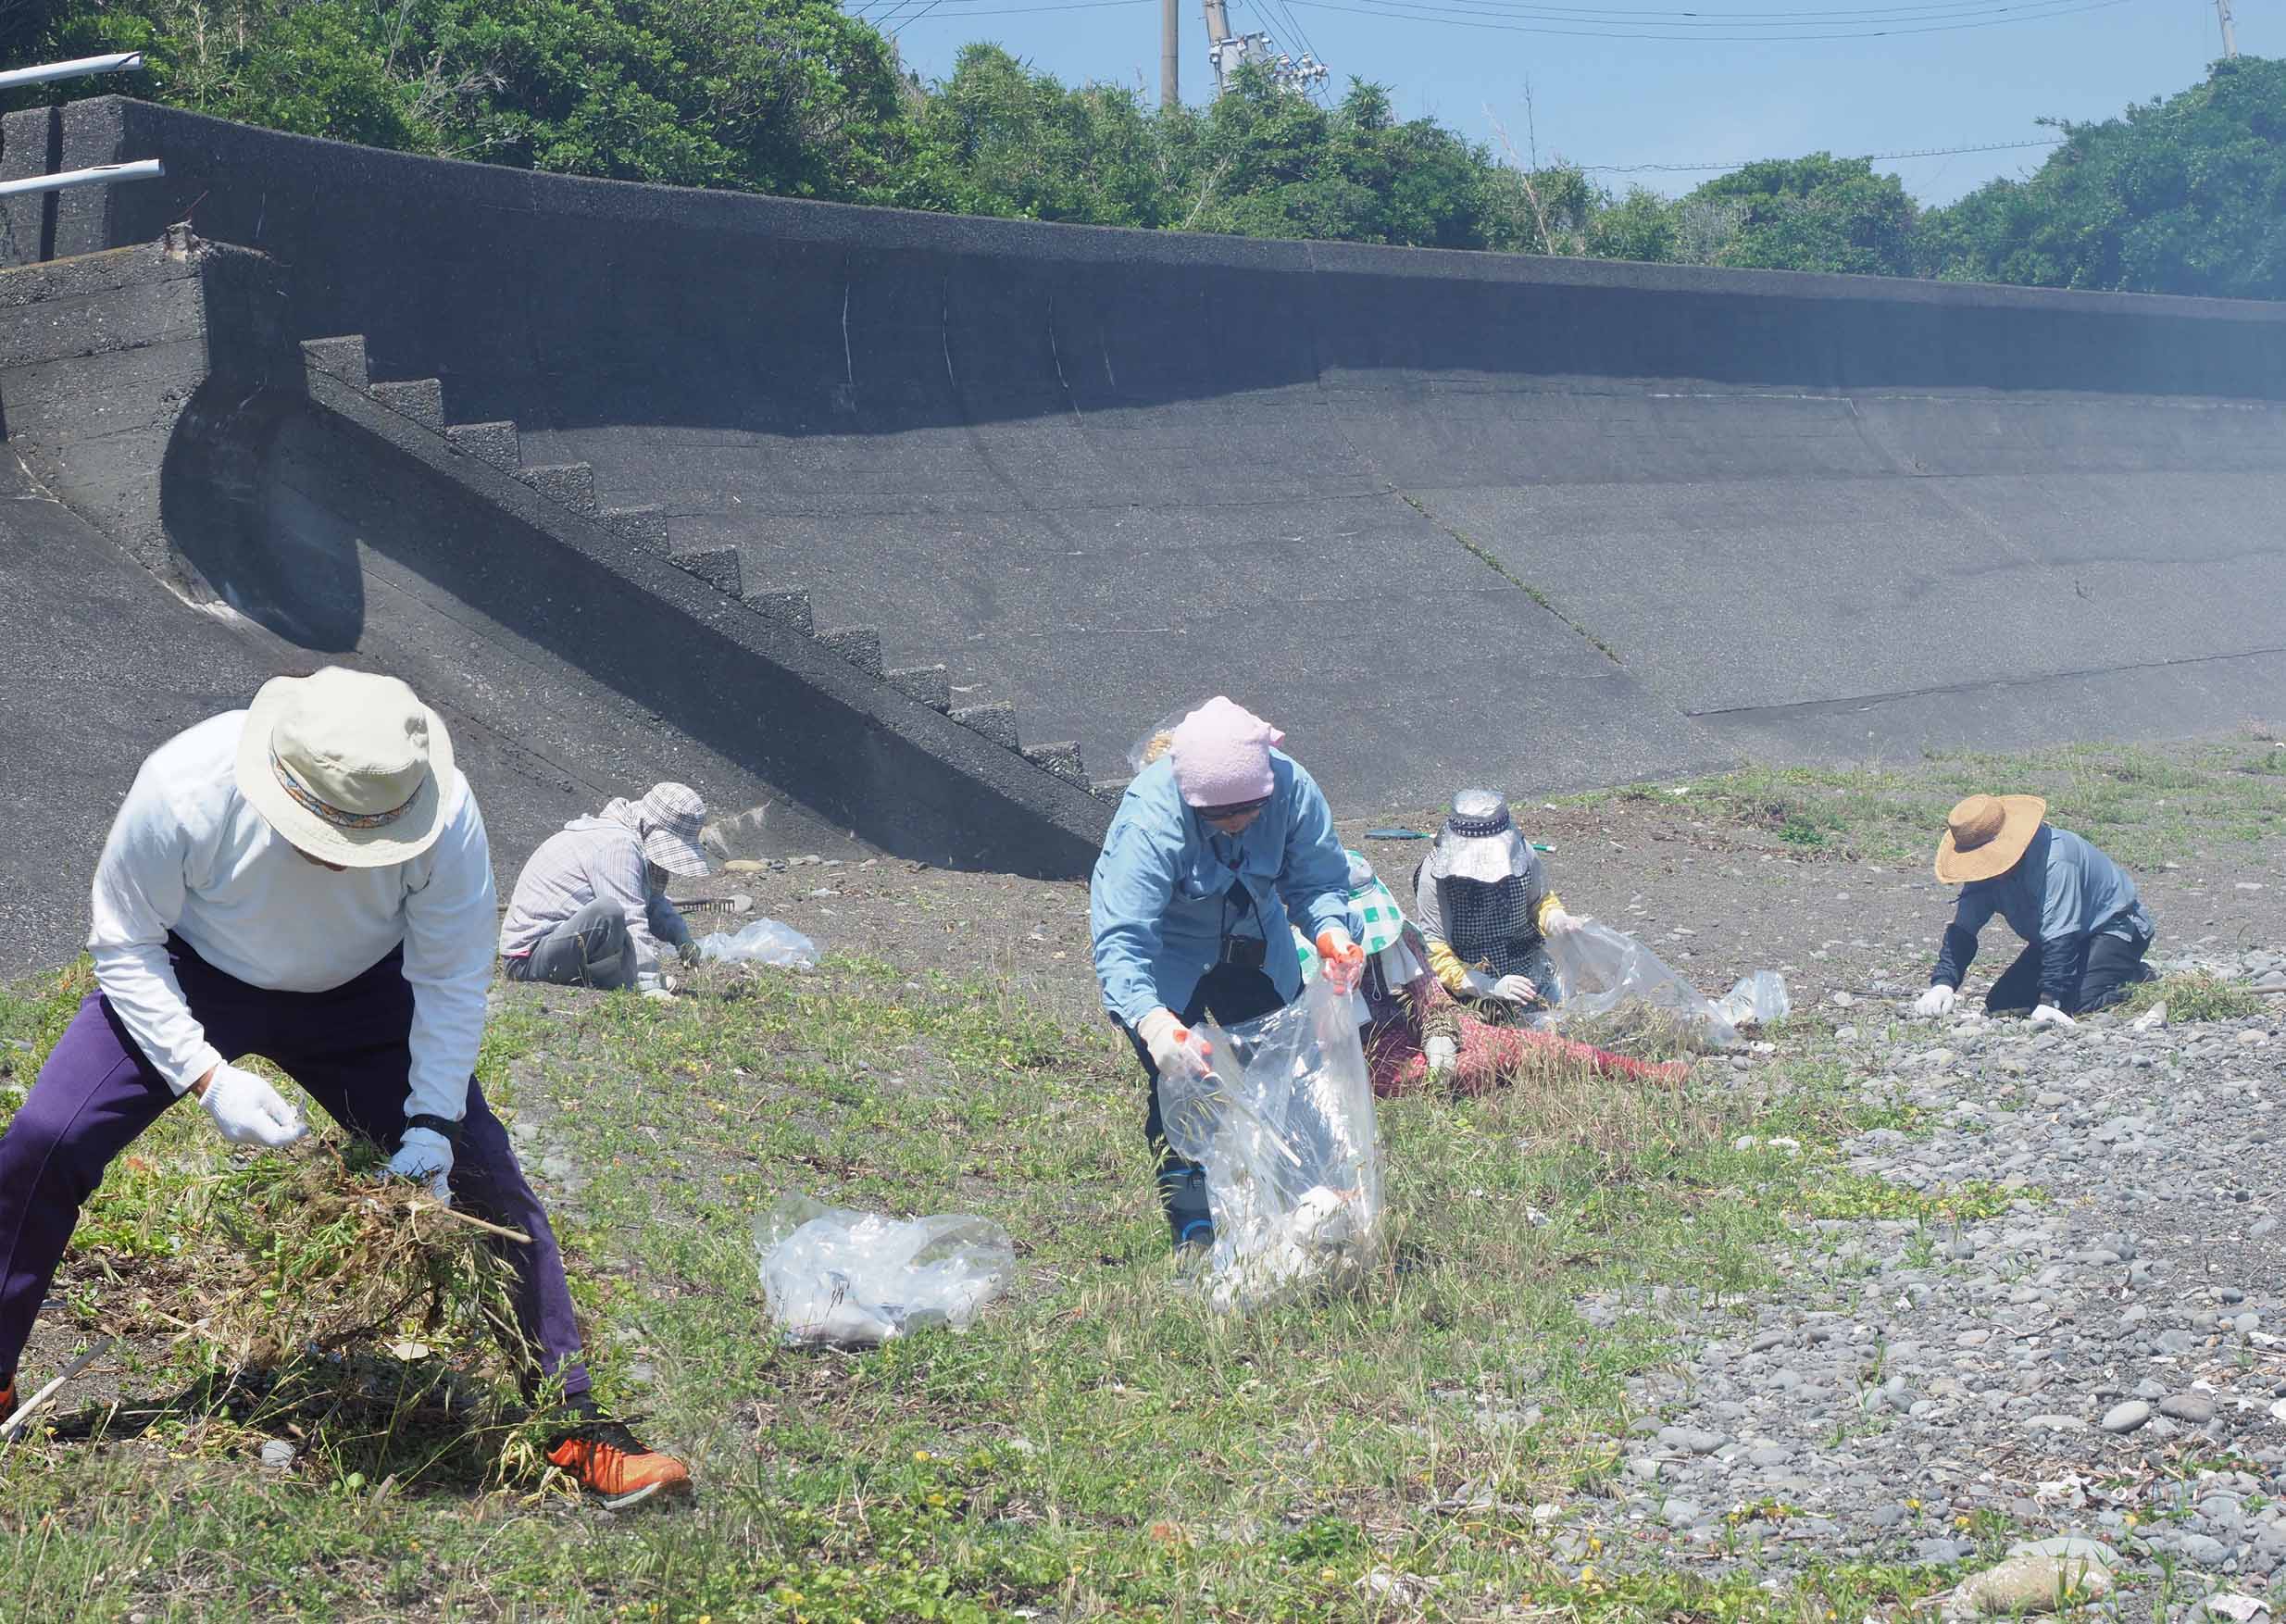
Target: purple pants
x,y
349,1048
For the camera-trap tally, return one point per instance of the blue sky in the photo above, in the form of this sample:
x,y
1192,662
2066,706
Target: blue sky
x,y
1701,98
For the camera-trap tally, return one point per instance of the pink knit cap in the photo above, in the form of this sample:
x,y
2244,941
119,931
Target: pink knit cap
x,y
1222,755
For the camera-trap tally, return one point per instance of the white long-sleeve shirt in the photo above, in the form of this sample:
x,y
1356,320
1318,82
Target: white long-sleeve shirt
x,y
187,854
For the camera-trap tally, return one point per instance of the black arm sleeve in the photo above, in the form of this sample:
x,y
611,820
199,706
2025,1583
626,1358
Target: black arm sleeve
x,y
1959,952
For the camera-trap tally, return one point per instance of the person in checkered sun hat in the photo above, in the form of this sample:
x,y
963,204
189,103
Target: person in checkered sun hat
x,y
591,907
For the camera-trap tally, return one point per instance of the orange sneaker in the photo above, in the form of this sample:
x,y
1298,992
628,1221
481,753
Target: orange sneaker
x,y
611,1464
8,1399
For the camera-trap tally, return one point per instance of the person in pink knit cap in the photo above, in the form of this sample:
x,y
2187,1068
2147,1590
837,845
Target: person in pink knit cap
x,y
1223,846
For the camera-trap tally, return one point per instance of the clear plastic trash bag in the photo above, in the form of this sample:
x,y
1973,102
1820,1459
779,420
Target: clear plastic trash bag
x,y
834,1278
763,941
1284,1125
1608,978
1757,1000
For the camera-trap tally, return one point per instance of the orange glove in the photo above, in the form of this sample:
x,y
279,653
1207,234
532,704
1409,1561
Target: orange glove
x,y
1343,959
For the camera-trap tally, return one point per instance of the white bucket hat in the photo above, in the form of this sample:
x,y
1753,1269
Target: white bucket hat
x,y
348,766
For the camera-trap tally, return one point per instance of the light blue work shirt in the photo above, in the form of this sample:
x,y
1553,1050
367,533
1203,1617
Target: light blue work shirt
x,y
2060,891
1159,904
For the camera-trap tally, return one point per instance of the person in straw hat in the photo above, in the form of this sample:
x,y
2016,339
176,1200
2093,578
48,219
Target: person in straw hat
x,y
308,880
2087,929
591,907
1218,843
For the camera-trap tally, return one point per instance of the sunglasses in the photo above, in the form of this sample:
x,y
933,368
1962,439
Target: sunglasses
x,y
1235,809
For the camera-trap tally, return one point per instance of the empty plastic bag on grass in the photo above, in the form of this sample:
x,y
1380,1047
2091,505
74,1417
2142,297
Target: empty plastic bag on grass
x,y
1607,977
763,941
1284,1125
834,1278
1757,1000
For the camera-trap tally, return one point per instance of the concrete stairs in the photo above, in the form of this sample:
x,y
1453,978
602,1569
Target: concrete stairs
x,y
571,486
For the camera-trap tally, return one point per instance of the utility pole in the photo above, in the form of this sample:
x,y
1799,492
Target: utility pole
x,y
2229,37
1170,53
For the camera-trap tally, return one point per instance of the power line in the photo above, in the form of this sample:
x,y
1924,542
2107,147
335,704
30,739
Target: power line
x,y
1385,9
1908,11
1928,151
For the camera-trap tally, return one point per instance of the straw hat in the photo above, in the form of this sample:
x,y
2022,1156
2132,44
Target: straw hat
x,y
1986,836
348,766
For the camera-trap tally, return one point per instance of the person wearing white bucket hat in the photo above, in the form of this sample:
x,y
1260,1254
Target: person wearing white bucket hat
x,y
591,907
309,880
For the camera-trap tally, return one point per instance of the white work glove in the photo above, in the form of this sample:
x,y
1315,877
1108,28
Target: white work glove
x,y
2049,1015
1557,922
1516,990
1443,1053
1344,961
659,994
1938,999
425,1157
248,1111
1176,1050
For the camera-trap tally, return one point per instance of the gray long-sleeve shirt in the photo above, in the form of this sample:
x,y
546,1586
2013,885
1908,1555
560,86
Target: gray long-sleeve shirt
x,y
591,859
2061,891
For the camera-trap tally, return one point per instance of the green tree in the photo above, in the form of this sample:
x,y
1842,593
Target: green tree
x,y
2185,195
1006,141
1815,213
1643,225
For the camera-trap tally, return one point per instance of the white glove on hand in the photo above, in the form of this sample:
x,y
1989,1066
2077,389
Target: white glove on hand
x,y
2049,1015
1558,923
1175,1049
1516,990
1938,999
425,1157
1443,1054
248,1111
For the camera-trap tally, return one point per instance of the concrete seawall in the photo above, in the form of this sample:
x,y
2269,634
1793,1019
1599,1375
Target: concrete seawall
x,y
1543,522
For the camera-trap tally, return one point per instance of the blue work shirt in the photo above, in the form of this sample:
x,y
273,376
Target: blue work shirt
x,y
1160,904
2061,891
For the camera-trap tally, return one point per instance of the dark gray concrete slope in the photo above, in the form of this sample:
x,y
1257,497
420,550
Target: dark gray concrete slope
x,y
1121,469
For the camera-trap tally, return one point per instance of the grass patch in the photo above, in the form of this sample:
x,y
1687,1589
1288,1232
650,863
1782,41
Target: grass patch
x,y
2193,995
1100,1447
2143,805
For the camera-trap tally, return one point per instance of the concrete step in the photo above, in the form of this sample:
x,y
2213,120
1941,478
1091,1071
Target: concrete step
x,y
645,525
421,399
996,722
340,358
860,646
571,483
930,684
793,608
493,442
717,567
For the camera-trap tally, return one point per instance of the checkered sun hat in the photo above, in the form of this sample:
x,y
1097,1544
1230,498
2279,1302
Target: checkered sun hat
x,y
1380,920
672,817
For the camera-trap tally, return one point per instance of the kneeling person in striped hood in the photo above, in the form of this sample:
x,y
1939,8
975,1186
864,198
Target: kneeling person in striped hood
x,y
1483,901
